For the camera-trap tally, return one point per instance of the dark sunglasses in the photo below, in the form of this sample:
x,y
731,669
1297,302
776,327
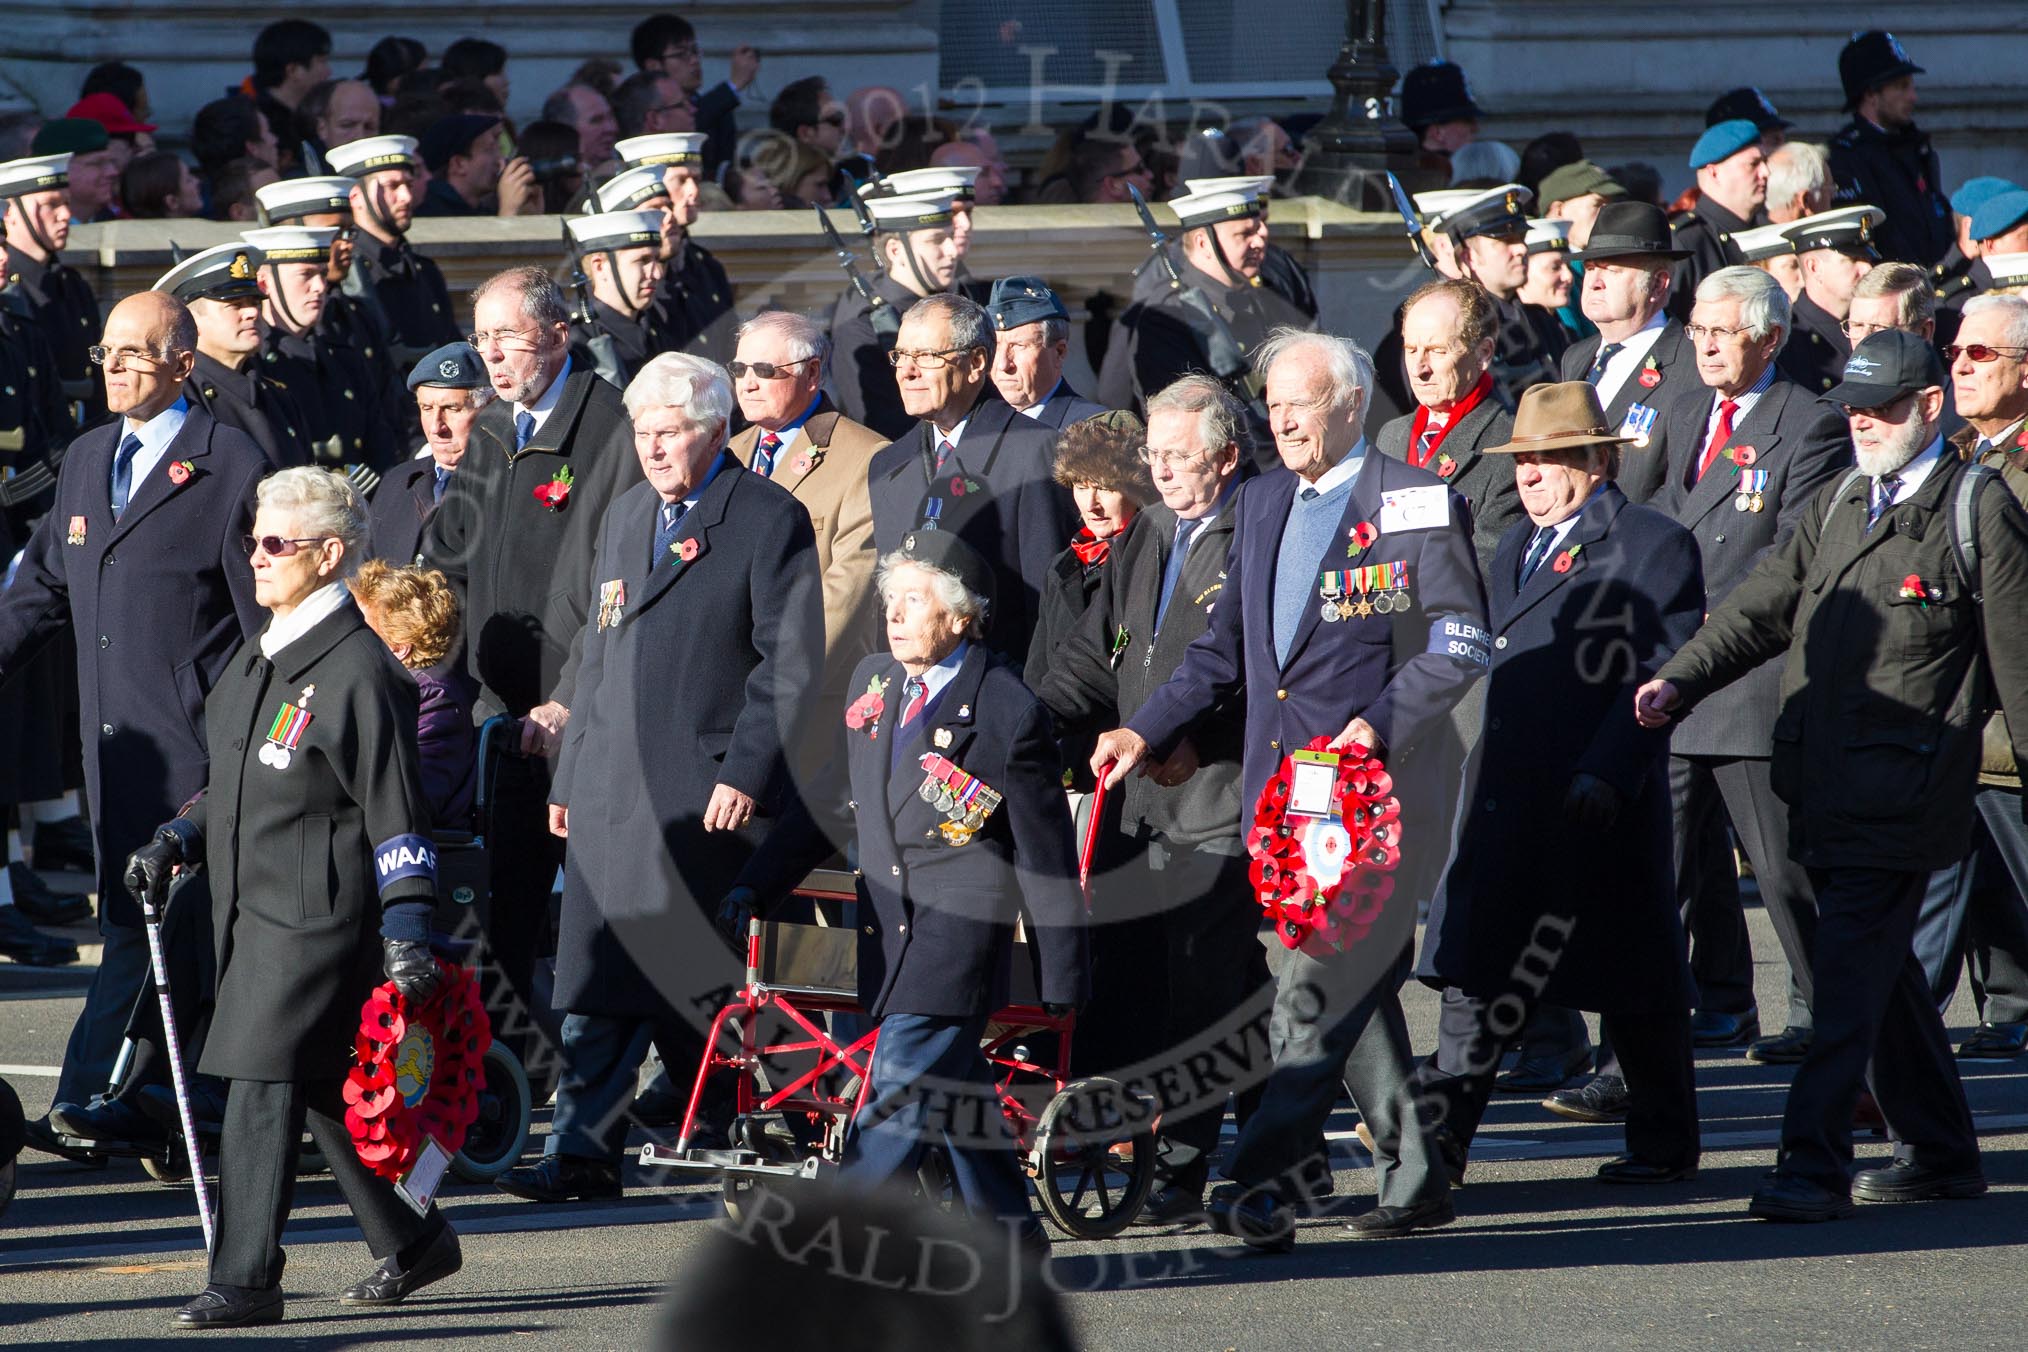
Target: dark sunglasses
x,y
279,547
833,119
1979,352
766,370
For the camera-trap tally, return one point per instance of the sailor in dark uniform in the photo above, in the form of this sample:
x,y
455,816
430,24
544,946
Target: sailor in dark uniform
x,y
450,387
352,316
620,253
1731,165
332,386
1279,270
1489,240
695,304
405,289
1836,249
915,241
223,292
1209,314
35,203
961,181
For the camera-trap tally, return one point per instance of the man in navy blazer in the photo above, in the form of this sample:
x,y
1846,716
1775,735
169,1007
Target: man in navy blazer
x,y
971,466
450,387
956,783
1382,678
141,559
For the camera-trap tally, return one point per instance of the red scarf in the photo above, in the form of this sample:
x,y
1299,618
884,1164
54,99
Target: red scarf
x,y
1090,550
1458,412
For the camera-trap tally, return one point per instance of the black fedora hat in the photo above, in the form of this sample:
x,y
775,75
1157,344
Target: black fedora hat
x,y
1627,229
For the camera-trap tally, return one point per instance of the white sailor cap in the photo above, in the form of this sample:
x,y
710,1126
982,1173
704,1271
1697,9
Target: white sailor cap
x,y
1763,242
919,211
1433,206
1209,208
959,180
372,154
2008,269
1849,230
222,272
662,148
630,188
1490,211
290,198
292,243
38,173
1547,236
617,230
1264,184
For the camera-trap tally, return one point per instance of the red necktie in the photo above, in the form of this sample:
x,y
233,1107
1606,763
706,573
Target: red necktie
x,y
918,695
1719,435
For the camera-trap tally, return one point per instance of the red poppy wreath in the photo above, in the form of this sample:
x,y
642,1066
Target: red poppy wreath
x,y
1324,880
418,1072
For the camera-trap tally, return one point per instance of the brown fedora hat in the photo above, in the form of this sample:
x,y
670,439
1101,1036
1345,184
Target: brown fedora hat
x,y
1559,417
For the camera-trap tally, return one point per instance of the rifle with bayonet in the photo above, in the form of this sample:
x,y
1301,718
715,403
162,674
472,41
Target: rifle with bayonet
x,y
880,312
605,353
1221,348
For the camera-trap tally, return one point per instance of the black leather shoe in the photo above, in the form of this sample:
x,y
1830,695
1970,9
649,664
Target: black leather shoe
x,y
65,845
1995,1042
1253,1217
41,903
38,1132
1712,1028
562,1178
1540,1074
28,945
1786,1197
107,1120
1627,1169
231,1307
207,1106
1170,1204
1392,1222
1785,1048
1905,1181
1602,1098
390,1283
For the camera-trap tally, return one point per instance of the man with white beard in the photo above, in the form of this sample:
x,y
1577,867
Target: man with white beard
x,y
1876,599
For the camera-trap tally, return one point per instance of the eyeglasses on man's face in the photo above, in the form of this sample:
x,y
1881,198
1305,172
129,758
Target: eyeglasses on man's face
x,y
129,358
766,370
927,361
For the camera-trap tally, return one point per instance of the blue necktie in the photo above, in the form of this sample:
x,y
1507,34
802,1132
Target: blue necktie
x,y
524,428
1538,550
1884,490
443,482
1606,352
944,452
1173,572
665,534
123,473
764,455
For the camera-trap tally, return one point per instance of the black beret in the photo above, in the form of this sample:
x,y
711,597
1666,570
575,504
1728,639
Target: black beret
x,y
945,552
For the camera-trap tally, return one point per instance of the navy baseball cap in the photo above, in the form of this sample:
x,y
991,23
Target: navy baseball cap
x,y
455,366
1885,366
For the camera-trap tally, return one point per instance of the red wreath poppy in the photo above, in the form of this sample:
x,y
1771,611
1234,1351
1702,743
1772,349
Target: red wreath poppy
x,y
418,1073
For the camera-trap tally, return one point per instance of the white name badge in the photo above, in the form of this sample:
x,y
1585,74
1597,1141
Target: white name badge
x,y
418,1187
1414,509
1638,423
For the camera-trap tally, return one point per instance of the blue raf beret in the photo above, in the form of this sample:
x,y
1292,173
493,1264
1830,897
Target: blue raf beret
x,y
1974,193
2000,213
1723,141
455,366
1023,300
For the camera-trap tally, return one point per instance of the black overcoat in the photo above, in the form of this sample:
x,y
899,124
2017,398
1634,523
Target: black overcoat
x,y
690,675
305,851
1568,652
399,517
1670,369
157,604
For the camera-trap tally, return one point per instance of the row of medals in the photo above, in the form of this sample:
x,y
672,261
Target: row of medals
x,y
1749,502
1380,603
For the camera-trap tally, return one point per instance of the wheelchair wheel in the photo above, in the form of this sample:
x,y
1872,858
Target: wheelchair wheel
x,y
497,1137
1086,1186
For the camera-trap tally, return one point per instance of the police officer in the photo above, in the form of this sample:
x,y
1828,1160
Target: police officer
x,y
314,829
331,385
1209,314
1730,160
1437,105
1489,239
695,302
620,254
1877,600
35,203
406,289
224,295
1882,158
1748,102
450,388
1836,250
916,243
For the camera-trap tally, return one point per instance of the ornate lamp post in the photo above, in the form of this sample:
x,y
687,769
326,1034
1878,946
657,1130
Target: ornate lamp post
x,y
1346,153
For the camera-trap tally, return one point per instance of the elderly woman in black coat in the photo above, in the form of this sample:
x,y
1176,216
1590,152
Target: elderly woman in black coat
x,y
315,832
1099,461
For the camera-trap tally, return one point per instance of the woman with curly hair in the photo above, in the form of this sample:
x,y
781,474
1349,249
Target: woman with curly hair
x,y
1099,461
415,613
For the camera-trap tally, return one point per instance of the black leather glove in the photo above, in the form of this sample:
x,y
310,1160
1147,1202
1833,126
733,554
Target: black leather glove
x,y
411,967
1592,803
150,868
734,912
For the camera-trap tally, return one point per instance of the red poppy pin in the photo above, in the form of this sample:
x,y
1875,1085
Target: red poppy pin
x,y
865,711
685,550
1742,456
1651,375
1445,466
557,491
179,472
1363,535
1566,559
801,464
1913,590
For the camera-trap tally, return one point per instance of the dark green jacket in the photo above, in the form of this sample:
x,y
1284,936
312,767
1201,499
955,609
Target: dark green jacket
x,y
1884,694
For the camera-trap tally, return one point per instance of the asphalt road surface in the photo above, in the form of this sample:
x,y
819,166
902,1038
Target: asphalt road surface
x,y
1541,1256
